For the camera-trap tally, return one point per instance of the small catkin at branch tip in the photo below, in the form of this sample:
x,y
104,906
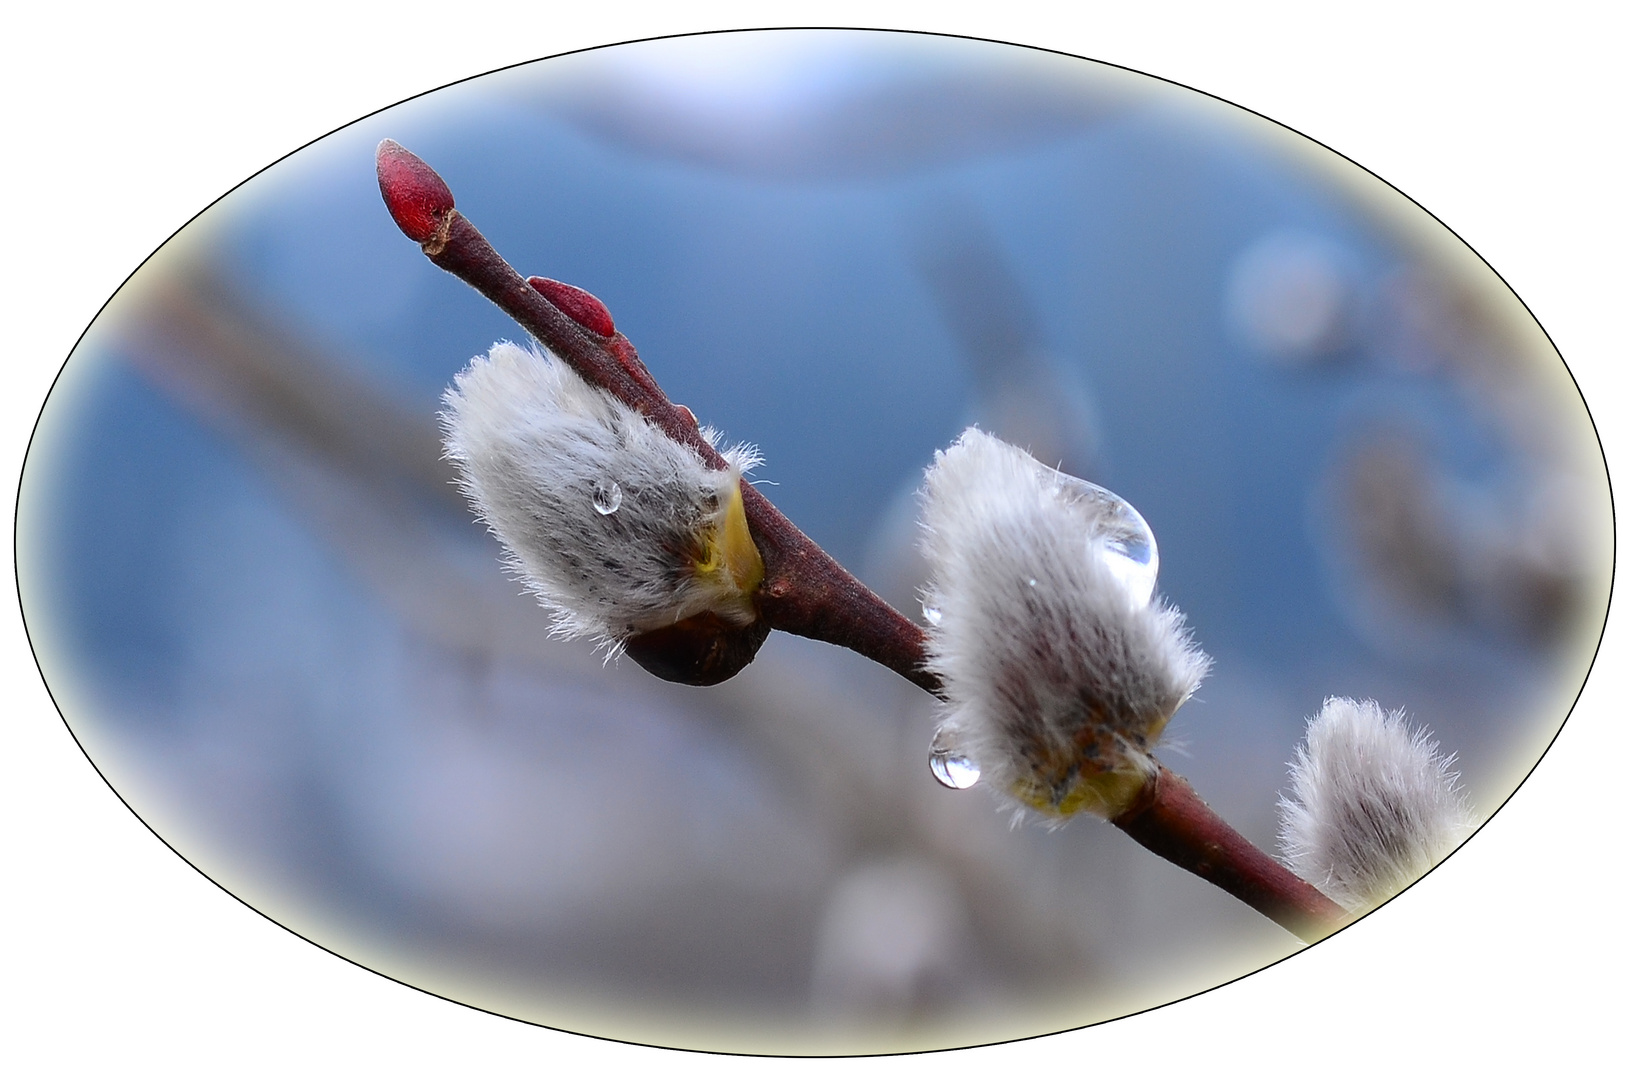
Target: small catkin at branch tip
x,y
1373,805
418,199
616,527
1059,676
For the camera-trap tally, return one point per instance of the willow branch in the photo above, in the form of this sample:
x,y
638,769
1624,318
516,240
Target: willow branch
x,y
805,591
1171,820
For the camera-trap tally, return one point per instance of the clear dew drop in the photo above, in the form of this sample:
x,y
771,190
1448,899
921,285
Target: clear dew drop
x,y
931,614
1129,547
949,765
608,495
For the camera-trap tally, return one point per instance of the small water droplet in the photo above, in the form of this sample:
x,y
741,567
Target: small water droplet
x,y
931,614
949,765
608,495
1129,548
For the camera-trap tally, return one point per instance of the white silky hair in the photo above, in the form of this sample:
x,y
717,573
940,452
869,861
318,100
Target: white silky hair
x,y
1041,647
1373,805
537,448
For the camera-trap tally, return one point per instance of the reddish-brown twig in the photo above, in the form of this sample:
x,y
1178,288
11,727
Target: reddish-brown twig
x,y
805,591
1171,820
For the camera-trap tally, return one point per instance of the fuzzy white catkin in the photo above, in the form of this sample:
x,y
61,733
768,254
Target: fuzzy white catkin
x,y
1057,680
1372,805
537,448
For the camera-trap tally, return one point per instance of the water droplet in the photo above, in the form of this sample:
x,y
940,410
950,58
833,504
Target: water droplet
x,y
608,495
931,614
948,764
1129,548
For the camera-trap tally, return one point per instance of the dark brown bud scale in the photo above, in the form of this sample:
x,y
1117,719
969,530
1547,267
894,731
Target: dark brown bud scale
x,y
702,650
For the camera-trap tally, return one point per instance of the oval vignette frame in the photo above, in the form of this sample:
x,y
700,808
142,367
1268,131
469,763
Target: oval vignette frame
x,y
489,221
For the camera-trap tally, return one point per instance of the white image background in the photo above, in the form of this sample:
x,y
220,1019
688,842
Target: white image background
x,y
121,959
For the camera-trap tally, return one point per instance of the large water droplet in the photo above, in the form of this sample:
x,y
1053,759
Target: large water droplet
x,y
1129,547
950,765
931,614
608,495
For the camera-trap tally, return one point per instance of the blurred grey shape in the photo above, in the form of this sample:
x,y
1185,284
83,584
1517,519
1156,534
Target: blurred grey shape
x,y
813,106
894,944
1291,299
1424,556
362,468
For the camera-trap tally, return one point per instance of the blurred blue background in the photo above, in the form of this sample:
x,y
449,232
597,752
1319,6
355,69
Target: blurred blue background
x,y
280,635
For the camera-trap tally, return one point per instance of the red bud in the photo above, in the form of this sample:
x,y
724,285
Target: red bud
x,y
416,197
579,305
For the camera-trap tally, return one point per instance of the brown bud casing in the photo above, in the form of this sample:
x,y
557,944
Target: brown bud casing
x,y
702,650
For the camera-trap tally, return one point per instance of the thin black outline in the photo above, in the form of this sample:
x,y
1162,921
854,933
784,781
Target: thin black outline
x,y
1590,668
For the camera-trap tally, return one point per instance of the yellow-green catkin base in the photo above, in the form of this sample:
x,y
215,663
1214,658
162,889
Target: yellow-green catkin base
x,y
1103,774
730,561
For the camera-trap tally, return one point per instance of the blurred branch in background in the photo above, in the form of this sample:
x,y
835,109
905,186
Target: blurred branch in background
x,y
1460,509
1021,392
1505,553
362,471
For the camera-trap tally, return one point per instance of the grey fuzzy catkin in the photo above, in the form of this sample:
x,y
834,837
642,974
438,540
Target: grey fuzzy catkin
x,y
1057,680
1373,805
536,447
